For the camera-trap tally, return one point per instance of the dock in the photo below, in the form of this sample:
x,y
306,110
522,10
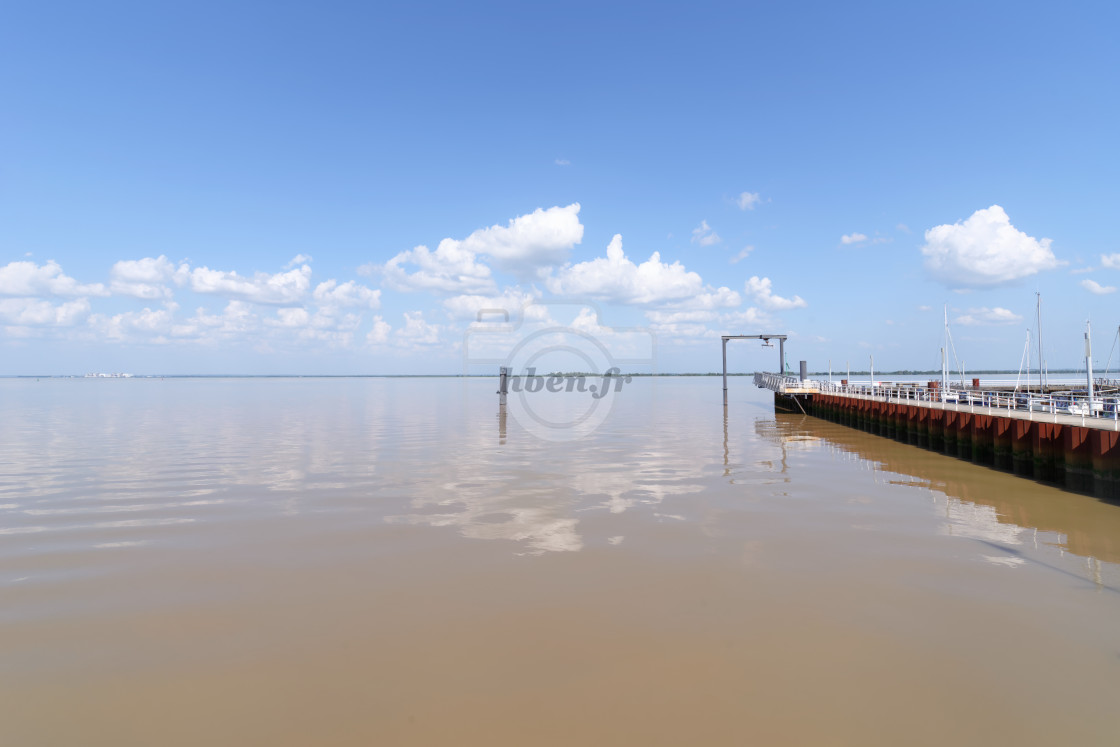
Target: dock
x,y
1061,437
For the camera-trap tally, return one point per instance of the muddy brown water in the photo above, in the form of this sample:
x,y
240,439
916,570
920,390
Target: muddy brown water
x,y
387,561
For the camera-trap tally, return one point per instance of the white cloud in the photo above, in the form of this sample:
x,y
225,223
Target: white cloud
x,y
853,238
327,325
689,318
291,317
348,295
760,290
1111,261
282,288
925,308
299,259
333,319
620,343
742,254
562,162
616,278
379,333
750,317
718,298
748,200
512,301
1094,287
695,316
237,320
983,316
530,242
30,279
683,332
154,325
416,331
35,312
985,250
525,247
687,326
705,235
145,278
449,269
587,320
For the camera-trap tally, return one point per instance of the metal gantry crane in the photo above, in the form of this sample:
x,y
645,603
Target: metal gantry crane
x,y
765,341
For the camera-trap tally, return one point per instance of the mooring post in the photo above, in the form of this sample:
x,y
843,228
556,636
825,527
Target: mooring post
x,y
725,372
503,385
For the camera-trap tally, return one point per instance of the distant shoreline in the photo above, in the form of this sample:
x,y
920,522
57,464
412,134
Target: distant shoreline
x,y
835,374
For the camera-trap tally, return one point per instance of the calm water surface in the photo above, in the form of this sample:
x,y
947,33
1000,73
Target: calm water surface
x,y
388,561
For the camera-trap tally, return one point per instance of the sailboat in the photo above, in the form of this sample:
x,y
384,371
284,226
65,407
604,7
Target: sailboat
x,y
1090,405
1042,403
947,394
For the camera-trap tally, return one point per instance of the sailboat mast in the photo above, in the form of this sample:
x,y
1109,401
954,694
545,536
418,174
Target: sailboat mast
x,y
944,359
1041,364
1089,364
944,373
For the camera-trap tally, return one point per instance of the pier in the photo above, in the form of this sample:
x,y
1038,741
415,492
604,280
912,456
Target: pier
x,y
1062,437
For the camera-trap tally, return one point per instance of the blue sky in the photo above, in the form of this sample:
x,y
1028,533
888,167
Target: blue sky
x,y
242,187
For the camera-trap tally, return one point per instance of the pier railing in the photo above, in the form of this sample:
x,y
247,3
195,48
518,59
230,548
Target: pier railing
x,y
1054,406
779,382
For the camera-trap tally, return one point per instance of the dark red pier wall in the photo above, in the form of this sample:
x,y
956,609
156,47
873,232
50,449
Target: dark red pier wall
x,y
1078,458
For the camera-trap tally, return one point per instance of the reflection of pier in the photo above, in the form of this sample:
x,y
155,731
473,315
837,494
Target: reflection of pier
x,y
1091,529
1040,435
